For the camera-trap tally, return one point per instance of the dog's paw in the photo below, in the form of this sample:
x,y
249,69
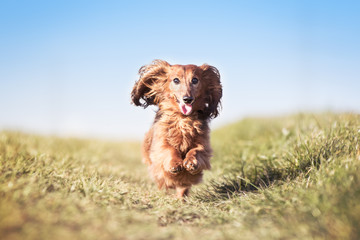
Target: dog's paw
x,y
176,169
191,165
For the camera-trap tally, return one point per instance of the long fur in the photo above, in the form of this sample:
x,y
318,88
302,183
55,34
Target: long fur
x,y
177,146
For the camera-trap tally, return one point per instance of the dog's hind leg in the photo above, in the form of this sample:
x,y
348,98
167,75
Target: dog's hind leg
x,y
181,192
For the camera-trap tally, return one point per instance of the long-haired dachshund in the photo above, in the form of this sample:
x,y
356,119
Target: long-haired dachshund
x,y
177,146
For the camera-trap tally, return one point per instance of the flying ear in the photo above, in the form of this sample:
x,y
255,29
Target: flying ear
x,y
214,90
147,90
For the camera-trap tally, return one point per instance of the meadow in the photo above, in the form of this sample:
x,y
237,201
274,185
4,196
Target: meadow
x,y
291,177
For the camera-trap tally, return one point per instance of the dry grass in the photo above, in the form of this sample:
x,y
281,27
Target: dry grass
x,y
295,177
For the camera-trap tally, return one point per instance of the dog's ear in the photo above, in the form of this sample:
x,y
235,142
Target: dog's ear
x,y
147,90
214,90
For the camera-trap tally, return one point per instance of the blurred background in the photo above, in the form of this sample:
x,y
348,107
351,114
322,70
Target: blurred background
x,y
67,67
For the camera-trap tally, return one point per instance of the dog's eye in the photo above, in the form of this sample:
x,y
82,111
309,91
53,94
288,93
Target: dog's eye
x,y
194,81
176,81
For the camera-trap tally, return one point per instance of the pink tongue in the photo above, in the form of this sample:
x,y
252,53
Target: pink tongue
x,y
185,109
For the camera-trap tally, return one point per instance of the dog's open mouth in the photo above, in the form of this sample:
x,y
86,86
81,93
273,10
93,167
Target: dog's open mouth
x,y
185,108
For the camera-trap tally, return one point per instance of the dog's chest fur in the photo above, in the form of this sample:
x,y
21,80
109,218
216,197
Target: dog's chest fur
x,y
182,132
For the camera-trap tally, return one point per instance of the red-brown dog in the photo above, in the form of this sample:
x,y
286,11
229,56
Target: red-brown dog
x,y
177,146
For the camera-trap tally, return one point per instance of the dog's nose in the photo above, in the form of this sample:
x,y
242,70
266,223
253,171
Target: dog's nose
x,y
188,100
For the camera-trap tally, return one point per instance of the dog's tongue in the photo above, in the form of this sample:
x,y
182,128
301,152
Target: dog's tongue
x,y
185,108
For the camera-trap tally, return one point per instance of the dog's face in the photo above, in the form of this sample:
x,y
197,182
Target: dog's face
x,y
185,83
187,88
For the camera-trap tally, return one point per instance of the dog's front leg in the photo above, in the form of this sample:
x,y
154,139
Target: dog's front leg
x,y
172,162
197,159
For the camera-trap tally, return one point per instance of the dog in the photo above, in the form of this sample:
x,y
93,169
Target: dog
x,y
177,146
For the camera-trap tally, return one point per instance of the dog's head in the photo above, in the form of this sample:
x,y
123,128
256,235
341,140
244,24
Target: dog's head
x,y
189,89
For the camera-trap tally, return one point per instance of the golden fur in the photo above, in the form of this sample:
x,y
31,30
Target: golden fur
x,y
177,146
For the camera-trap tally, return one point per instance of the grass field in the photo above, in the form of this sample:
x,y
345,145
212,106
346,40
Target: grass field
x,y
295,177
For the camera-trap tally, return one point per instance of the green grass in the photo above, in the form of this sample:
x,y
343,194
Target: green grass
x,y
296,177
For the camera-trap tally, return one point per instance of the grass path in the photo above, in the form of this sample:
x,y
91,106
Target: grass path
x,y
296,177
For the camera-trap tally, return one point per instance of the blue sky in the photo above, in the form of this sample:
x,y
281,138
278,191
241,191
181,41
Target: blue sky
x,y
67,67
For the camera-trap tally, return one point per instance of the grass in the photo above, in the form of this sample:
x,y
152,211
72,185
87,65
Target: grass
x,y
295,177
